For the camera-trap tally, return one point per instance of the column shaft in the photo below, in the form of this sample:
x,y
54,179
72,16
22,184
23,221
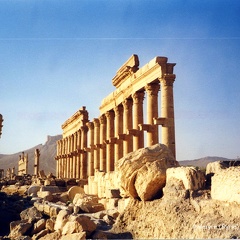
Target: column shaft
x,y
91,146
138,141
110,145
96,143
118,147
127,124
102,142
152,112
167,111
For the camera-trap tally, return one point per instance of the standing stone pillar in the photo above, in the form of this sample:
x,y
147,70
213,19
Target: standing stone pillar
x,y
78,154
103,129
91,149
118,147
167,111
138,139
83,167
71,156
36,160
152,112
96,143
110,144
68,157
127,124
75,155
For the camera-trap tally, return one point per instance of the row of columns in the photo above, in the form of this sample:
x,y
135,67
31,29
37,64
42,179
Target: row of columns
x,y
101,142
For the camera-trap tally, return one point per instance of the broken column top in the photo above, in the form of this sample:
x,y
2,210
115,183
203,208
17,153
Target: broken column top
x,y
130,66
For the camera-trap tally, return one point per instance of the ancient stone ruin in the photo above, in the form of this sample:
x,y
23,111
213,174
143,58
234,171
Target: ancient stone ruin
x,y
115,180
23,164
89,147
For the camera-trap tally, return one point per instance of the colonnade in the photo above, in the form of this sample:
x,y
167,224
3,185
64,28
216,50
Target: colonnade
x,y
89,146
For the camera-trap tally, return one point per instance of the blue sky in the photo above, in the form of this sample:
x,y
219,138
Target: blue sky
x,y
56,56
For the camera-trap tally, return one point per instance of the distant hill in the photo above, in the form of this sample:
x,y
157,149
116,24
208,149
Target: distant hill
x,y
46,161
203,162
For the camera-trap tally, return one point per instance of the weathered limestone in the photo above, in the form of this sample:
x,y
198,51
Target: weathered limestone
x,y
143,173
36,162
192,178
23,164
89,147
226,185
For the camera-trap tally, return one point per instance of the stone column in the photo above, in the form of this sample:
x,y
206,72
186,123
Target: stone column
x,y
75,155
91,149
83,167
118,147
78,154
71,156
110,144
152,90
36,160
96,143
68,157
127,124
138,139
167,111
103,135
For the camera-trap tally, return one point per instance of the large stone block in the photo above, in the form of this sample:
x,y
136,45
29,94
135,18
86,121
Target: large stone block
x,y
143,173
192,178
226,185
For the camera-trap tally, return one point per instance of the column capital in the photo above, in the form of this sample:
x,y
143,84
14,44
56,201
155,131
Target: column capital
x,y
138,97
102,119
127,104
152,89
90,125
96,122
109,114
168,79
84,128
118,110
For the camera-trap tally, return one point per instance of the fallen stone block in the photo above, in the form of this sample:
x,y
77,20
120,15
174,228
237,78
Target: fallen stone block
x,y
226,185
135,166
192,178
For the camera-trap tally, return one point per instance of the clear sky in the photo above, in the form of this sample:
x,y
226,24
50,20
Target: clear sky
x,y
56,56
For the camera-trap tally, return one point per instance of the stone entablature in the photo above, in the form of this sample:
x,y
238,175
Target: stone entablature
x,y
90,146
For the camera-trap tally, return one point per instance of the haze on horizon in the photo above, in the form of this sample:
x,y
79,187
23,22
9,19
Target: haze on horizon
x,y
56,56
